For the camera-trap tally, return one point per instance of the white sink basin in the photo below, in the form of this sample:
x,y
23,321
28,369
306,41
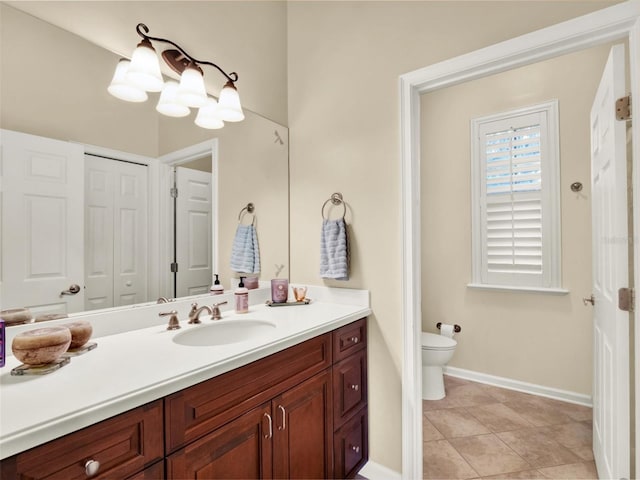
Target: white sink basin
x,y
224,332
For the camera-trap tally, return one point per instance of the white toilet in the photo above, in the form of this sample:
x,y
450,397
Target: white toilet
x,y
437,350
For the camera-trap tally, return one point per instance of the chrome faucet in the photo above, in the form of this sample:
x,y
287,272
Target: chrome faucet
x,y
174,324
195,312
165,300
216,315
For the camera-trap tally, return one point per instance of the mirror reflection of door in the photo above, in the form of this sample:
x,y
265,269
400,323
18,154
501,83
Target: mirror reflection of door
x,y
193,228
41,223
116,230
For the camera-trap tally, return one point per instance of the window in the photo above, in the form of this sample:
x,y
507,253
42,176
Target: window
x,y
516,199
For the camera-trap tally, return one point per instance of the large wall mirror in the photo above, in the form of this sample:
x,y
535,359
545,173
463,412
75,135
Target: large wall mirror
x,y
53,87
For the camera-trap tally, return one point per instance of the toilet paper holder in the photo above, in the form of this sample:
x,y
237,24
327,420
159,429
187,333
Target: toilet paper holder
x,y
456,328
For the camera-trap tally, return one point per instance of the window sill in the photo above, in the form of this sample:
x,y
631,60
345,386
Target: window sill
x,y
507,288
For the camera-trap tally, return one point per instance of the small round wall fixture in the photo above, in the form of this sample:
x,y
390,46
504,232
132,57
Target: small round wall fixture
x,y
576,187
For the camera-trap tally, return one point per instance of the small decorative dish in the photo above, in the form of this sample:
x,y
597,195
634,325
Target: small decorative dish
x,y
270,303
74,352
40,369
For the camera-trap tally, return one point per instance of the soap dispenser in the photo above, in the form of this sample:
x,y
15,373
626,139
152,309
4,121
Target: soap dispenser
x,y
216,288
242,297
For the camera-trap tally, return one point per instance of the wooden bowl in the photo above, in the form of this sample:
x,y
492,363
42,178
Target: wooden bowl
x,y
16,316
80,333
42,345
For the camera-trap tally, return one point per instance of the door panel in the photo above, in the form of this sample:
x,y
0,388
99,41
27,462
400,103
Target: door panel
x,y
303,430
193,231
240,449
116,233
42,223
610,272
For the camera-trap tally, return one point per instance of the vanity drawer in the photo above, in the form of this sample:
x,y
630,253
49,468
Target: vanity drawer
x,y
349,339
351,449
123,446
349,387
198,410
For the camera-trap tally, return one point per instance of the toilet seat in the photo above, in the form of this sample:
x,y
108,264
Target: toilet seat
x,y
431,341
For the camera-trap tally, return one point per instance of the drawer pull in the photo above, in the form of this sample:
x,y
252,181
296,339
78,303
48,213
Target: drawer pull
x,y
355,448
284,418
354,339
270,434
354,386
92,467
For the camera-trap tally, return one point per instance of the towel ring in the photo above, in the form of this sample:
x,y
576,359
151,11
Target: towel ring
x,y
250,208
336,199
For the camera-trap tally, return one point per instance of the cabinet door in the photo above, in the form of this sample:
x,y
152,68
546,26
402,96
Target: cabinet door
x,y
118,447
349,387
303,440
240,449
352,446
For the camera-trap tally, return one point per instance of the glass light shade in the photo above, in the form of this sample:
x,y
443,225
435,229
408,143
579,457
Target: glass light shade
x,y
121,89
144,71
208,116
167,104
229,107
191,91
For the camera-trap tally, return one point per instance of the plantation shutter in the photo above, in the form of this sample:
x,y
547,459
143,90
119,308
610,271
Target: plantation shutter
x,y
512,193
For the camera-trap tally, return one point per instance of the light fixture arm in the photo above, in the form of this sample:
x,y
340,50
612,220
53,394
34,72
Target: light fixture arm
x,y
143,30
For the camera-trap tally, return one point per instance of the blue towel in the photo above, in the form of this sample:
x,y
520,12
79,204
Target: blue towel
x,y
334,250
245,254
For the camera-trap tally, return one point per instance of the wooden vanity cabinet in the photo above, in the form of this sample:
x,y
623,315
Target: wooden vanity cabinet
x,y
299,413
288,437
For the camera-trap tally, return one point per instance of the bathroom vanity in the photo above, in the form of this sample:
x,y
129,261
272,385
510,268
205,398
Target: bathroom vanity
x,y
291,404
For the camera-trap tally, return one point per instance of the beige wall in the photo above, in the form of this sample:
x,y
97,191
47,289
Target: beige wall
x,y
344,62
537,338
49,87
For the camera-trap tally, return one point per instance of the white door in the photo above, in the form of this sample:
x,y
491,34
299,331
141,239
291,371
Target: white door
x,y
193,232
610,272
116,233
42,223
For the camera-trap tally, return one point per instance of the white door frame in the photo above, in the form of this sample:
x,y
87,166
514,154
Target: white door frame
x,y
167,161
618,22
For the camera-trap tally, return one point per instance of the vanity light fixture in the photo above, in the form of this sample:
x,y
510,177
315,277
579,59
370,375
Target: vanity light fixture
x,y
134,78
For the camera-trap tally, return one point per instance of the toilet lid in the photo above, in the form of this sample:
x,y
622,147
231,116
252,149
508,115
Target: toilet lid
x,y
431,341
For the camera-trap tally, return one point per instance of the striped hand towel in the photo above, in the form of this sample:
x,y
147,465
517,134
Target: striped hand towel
x,y
334,250
245,254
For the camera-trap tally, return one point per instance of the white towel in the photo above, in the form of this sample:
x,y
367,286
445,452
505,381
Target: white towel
x,y
334,250
245,254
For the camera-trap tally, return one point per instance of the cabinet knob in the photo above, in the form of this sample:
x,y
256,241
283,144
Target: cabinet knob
x,y
355,448
355,387
92,467
354,339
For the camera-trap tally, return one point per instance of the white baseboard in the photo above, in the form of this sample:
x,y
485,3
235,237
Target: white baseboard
x,y
375,471
549,392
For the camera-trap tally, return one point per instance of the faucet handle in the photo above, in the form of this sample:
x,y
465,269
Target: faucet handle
x,y
174,324
216,315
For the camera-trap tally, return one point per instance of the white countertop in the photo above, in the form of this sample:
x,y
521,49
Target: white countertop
x,y
131,368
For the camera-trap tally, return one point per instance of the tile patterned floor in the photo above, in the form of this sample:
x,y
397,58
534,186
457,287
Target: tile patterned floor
x,y
480,431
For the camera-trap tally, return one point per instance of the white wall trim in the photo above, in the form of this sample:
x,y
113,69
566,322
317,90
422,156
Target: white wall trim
x,y
613,23
517,385
375,471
